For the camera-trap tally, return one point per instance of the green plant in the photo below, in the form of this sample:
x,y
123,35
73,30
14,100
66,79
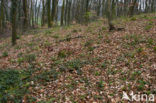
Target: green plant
x,y
74,83
127,37
89,29
130,54
36,48
13,85
72,65
87,15
80,30
100,36
141,85
150,41
104,65
5,54
135,74
74,31
100,84
140,50
47,43
82,55
77,63
133,18
93,60
20,60
31,99
97,73
56,62
120,58
18,47
68,37
90,48
56,36
134,39
98,97
51,100
85,80
150,22
147,17
53,58
148,27
89,43
30,58
154,48
108,41
104,28
20,54
18,36
31,44
47,76
48,32
64,53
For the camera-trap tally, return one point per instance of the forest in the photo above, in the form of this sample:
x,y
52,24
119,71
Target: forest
x,y
77,51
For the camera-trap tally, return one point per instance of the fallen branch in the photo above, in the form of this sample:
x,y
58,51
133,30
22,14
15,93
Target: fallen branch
x,y
70,38
117,29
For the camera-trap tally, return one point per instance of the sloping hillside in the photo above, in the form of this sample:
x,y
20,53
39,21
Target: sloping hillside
x,y
80,64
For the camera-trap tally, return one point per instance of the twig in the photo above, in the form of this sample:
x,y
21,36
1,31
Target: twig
x,y
68,39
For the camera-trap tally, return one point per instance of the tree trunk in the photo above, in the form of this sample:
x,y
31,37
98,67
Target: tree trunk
x,y
131,11
109,16
48,13
54,5
25,23
13,14
69,8
62,13
32,14
87,12
98,7
43,13
66,11
37,14
2,16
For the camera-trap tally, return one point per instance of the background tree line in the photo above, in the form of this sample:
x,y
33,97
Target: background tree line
x,y
20,15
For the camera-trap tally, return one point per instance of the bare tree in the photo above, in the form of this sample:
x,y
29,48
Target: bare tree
x,y
2,15
131,10
43,13
25,23
109,16
62,13
48,13
13,14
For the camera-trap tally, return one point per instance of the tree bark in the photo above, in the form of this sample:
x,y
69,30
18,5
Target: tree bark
x,y
132,8
54,5
66,11
2,16
69,8
43,13
62,13
48,13
13,13
109,16
25,23
87,12
32,14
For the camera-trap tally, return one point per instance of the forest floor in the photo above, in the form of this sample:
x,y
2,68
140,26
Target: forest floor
x,y
80,64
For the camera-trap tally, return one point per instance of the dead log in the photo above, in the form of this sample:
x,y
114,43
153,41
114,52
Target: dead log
x,y
70,38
